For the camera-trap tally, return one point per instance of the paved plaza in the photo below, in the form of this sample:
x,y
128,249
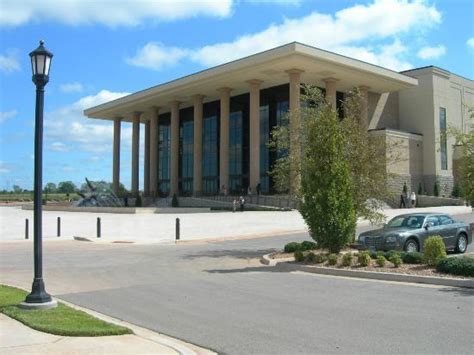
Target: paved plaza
x,y
160,228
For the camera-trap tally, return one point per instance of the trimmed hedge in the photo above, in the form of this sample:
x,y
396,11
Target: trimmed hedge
x,y
463,266
304,246
412,258
307,245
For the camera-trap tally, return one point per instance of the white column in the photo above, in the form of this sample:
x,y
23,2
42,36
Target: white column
x,y
224,137
331,91
197,145
135,151
295,126
116,156
174,148
154,156
254,133
146,168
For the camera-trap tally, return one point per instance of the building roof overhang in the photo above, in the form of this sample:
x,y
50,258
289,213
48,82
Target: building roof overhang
x,y
270,66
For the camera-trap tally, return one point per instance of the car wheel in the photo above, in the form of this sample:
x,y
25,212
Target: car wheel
x,y
411,246
461,244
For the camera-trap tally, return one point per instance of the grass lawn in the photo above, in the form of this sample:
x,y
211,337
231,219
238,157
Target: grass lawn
x,y
62,320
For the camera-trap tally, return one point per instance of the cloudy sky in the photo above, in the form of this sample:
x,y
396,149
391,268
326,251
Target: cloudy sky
x,y
104,49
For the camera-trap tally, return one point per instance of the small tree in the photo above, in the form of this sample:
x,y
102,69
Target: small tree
x,y
66,187
436,189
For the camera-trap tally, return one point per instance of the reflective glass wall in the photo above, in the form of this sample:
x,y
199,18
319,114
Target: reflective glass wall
x,y
210,148
186,138
164,152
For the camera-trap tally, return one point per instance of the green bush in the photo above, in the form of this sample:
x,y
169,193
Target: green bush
x,y
311,258
463,266
436,189
174,201
434,250
299,256
138,201
412,258
389,254
420,189
396,260
364,258
332,259
381,261
292,247
319,259
347,259
307,245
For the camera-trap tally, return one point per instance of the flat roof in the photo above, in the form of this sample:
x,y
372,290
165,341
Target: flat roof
x,y
270,66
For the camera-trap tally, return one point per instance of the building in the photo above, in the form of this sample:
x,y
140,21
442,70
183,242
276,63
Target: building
x,y
210,129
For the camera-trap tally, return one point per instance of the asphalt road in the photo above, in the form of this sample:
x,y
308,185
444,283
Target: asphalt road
x,y
219,296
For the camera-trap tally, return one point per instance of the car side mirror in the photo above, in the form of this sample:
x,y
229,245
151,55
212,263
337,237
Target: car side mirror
x,y
426,226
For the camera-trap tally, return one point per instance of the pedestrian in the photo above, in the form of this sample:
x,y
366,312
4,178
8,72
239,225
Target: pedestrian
x,y
413,199
402,201
234,205
242,203
258,189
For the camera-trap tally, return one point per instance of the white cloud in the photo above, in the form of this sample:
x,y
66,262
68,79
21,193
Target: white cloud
x,y
8,115
5,168
432,52
71,87
470,42
9,62
68,124
59,147
375,24
108,12
156,56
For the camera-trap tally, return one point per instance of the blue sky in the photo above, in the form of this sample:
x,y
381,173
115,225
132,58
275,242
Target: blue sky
x,y
104,49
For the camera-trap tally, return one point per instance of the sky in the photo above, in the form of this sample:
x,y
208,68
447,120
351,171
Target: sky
x,y
105,49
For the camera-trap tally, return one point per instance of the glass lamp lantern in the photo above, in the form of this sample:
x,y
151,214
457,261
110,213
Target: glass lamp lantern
x,y
40,63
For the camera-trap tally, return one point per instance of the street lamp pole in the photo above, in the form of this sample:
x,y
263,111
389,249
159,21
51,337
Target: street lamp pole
x,y
39,298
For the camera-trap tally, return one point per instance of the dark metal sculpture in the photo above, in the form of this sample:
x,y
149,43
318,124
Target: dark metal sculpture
x,y
98,194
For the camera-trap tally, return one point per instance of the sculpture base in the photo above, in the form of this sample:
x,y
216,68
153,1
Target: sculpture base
x,y
41,305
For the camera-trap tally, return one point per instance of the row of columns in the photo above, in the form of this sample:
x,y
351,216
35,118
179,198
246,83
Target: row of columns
x,y
151,158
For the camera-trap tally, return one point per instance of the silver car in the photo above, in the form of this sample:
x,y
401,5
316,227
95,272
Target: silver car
x,y
408,232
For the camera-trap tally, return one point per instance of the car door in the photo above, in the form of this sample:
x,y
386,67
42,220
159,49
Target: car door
x,y
448,231
433,227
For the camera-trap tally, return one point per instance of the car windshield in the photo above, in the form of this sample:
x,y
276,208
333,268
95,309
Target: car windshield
x,y
406,221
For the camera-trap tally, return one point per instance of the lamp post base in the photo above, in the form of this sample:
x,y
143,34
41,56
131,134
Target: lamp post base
x,y
38,298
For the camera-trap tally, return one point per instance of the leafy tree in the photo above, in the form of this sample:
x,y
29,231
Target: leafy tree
x,y
50,187
17,189
66,187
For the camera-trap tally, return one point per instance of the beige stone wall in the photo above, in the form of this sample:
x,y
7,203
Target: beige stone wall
x,y
383,110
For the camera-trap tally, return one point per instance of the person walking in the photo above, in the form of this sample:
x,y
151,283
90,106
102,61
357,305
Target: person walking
x,y
402,201
413,199
242,203
234,205
258,189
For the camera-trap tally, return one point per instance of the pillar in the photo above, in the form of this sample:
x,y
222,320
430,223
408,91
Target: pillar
x,y
364,105
135,151
174,183
116,156
197,145
224,137
331,91
154,148
254,118
146,163
295,126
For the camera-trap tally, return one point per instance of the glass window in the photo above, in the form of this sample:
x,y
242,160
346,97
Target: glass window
x,y
432,221
186,156
443,139
235,151
209,155
164,160
264,151
445,220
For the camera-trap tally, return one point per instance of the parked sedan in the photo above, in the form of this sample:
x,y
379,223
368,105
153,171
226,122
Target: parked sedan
x,y
408,232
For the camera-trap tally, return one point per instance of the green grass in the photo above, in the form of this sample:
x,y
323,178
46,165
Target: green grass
x,y
62,320
28,196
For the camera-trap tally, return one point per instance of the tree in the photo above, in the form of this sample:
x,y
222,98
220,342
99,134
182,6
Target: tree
x,y
50,187
326,185
367,155
66,187
17,189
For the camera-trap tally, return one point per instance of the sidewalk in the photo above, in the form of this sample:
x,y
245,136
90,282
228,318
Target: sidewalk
x,y
17,338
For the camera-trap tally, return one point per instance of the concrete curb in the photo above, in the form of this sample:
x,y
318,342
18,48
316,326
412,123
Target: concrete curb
x,y
383,276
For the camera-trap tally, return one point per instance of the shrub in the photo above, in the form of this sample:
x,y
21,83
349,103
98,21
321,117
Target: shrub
x,y
389,254
436,189
420,189
396,260
174,201
364,259
292,247
299,256
319,259
434,250
412,258
138,201
347,259
307,245
332,259
463,266
311,258
381,261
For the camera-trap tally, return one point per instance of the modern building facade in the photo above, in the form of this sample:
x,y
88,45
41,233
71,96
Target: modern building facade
x,y
210,130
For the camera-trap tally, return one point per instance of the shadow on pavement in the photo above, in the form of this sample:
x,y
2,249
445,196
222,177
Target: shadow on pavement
x,y
459,291
262,268
233,253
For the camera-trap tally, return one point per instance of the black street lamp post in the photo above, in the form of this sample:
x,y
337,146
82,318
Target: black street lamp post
x,y
40,64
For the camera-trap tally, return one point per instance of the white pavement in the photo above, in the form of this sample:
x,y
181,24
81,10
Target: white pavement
x,y
160,228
